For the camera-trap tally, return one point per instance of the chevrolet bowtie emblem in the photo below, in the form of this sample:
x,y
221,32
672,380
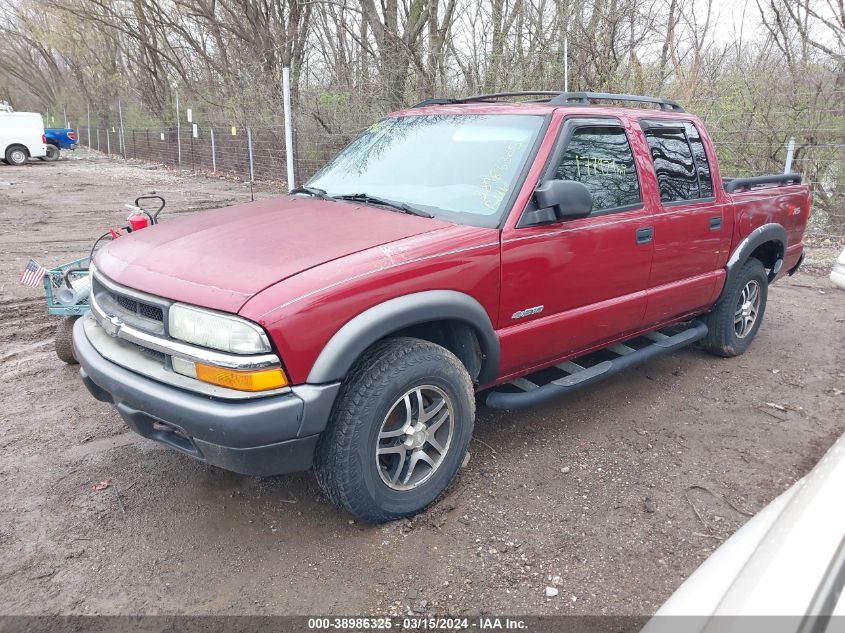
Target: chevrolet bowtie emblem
x,y
112,325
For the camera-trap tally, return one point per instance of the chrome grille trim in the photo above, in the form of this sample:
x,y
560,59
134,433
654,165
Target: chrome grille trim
x,y
142,311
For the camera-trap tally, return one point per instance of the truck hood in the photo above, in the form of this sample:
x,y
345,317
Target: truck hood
x,y
220,259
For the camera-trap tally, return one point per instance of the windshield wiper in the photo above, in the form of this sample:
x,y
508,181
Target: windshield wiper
x,y
398,206
311,191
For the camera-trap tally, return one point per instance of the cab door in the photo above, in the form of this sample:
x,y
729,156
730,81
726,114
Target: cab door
x,y
571,285
689,222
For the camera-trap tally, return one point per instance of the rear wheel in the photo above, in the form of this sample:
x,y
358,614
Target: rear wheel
x,y
734,322
16,155
53,154
64,340
398,432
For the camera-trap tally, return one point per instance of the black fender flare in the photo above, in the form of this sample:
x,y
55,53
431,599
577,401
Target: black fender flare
x,y
350,341
771,232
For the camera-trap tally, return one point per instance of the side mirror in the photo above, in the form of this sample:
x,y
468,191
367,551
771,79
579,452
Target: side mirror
x,y
567,198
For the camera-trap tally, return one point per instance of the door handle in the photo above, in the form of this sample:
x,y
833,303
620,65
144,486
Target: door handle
x,y
716,223
645,235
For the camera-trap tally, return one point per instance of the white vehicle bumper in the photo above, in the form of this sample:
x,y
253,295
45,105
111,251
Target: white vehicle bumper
x,y
837,275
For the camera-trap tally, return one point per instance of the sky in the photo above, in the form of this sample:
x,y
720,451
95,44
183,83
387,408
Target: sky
x,y
737,18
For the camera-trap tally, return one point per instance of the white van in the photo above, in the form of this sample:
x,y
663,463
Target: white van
x,y
21,137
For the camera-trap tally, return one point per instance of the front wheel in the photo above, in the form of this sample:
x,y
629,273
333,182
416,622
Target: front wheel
x,y
734,322
16,155
398,432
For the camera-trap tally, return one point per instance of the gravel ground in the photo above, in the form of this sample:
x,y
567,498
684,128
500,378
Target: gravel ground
x,y
613,495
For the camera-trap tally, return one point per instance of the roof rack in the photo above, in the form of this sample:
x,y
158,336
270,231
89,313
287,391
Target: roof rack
x,y
434,101
556,97
584,98
493,97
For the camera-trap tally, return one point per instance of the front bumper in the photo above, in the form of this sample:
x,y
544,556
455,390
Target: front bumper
x,y
263,436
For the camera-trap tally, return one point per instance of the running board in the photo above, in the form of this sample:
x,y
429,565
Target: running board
x,y
578,376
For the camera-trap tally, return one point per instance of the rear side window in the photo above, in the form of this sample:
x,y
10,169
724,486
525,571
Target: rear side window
x,y
705,180
600,157
673,164
680,163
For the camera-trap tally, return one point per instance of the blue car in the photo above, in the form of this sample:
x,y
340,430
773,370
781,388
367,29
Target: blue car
x,y
57,140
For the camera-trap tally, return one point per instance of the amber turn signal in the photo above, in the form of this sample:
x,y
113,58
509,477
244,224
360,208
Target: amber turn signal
x,y
256,380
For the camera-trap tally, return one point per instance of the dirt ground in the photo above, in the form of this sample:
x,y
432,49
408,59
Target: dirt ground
x,y
601,490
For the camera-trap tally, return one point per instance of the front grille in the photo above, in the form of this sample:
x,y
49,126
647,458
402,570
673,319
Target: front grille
x,y
150,312
136,309
139,308
125,302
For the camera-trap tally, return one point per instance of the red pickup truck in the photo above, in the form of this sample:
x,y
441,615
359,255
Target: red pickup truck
x,y
519,250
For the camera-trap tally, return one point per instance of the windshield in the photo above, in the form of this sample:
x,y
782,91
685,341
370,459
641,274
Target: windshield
x,y
459,167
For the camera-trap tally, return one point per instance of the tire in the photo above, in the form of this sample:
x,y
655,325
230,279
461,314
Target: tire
x,y
64,340
53,154
16,155
370,413
727,337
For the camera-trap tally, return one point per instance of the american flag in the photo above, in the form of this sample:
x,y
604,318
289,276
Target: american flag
x,y
32,274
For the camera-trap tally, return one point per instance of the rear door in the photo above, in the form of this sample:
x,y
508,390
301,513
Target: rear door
x,y
689,222
573,284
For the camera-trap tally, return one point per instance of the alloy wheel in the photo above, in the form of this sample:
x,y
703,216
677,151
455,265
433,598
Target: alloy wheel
x,y
414,437
747,309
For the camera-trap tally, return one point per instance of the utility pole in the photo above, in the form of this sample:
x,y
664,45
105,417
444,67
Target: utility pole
x,y
566,64
122,131
213,152
251,164
790,153
178,131
288,126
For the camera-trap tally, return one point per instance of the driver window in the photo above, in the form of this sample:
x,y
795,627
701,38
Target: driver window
x,y
600,157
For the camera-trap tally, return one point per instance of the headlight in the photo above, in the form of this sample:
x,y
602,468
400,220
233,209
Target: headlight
x,y
216,330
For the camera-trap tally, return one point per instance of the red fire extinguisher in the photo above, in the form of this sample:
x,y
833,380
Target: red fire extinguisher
x,y
138,219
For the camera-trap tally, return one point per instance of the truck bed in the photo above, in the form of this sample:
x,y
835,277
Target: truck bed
x,y
787,205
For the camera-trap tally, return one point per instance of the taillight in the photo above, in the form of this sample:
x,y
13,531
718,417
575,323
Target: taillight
x,y
71,136
44,139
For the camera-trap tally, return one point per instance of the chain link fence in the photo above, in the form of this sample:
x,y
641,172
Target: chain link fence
x,y
255,152
249,154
